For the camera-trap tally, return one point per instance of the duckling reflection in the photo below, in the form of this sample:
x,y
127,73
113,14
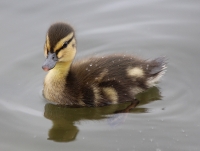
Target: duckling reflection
x,y
64,118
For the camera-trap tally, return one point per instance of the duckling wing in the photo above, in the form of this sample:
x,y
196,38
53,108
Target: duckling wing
x,y
118,67
103,69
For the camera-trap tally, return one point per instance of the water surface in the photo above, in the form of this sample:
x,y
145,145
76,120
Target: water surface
x,y
167,117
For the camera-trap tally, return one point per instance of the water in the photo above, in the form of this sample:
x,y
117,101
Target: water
x,y
167,117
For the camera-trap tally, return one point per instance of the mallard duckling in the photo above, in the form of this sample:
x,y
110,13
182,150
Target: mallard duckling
x,y
96,81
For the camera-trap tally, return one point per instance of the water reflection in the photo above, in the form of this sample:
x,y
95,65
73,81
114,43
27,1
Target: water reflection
x,y
64,118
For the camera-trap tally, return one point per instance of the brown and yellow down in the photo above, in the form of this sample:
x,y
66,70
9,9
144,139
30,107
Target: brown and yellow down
x,y
95,81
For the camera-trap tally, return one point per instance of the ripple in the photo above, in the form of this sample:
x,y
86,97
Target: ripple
x,y
20,108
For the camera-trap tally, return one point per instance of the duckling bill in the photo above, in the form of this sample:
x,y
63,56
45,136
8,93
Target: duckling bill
x,y
96,81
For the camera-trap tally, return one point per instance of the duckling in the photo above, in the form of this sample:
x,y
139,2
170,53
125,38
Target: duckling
x,y
96,81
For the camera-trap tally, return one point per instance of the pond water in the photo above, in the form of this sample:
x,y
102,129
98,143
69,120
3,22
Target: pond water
x,y
167,118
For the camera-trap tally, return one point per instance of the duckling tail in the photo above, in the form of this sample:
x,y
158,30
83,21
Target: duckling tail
x,y
156,70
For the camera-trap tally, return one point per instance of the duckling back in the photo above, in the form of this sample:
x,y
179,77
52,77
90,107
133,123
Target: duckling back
x,y
112,79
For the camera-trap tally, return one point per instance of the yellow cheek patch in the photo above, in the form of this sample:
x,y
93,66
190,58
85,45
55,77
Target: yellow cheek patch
x,y
61,42
60,54
135,72
111,93
66,54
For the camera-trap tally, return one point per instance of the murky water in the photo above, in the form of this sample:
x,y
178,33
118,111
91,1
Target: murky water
x,y
167,117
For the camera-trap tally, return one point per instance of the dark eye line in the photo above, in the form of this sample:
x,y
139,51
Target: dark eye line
x,y
64,45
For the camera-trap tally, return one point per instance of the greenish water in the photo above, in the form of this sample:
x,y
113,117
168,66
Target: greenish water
x,y
167,117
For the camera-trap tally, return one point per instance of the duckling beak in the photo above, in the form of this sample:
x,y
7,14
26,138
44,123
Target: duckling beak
x,y
50,61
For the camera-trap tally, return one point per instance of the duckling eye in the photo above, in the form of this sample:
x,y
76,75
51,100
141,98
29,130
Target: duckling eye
x,y
65,44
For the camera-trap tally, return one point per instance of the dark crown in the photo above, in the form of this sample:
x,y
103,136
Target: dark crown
x,y
58,31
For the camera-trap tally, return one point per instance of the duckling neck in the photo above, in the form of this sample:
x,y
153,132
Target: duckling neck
x,y
61,69
55,82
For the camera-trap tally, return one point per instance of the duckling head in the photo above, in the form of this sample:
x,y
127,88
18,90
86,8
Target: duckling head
x,y
60,46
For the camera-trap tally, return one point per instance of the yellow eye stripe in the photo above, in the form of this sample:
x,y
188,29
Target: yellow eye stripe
x,y
47,43
61,42
45,50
